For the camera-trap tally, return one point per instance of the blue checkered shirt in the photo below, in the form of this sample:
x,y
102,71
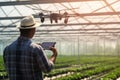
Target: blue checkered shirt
x,y
25,60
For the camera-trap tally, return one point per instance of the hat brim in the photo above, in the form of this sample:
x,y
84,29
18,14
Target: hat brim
x,y
36,25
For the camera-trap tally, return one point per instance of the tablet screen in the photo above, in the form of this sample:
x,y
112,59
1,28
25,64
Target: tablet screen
x,y
47,45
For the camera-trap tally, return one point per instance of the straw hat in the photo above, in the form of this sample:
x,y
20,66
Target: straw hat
x,y
28,23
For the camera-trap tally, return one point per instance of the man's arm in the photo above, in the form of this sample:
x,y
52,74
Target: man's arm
x,y
53,57
45,64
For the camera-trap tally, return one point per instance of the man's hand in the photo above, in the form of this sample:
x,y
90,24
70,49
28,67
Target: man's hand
x,y
53,57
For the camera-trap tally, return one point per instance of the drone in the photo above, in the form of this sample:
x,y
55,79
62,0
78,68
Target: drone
x,y
54,17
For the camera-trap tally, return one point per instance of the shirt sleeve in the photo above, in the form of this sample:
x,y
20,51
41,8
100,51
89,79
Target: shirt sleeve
x,y
43,62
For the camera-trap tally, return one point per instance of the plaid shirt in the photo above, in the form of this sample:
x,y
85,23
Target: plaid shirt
x,y
25,60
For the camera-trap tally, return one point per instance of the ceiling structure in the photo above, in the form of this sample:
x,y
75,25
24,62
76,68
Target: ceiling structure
x,y
86,18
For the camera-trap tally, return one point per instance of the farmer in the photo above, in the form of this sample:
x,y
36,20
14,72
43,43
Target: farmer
x,y
24,59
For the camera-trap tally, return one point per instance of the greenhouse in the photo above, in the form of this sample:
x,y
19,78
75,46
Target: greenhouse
x,y
86,33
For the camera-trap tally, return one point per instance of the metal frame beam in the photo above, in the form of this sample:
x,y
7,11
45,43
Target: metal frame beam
x,y
9,35
70,15
70,24
10,3
69,32
56,30
78,24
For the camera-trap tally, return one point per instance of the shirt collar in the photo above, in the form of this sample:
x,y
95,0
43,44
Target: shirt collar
x,y
24,38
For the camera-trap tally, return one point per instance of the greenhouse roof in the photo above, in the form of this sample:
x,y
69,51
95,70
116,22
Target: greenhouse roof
x,y
86,18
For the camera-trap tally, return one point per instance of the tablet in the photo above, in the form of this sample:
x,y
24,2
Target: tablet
x,y
47,45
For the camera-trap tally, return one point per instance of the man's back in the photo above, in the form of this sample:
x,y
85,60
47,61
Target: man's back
x,y
20,59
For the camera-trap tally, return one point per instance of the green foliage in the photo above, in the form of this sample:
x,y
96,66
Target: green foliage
x,y
81,67
113,75
1,63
